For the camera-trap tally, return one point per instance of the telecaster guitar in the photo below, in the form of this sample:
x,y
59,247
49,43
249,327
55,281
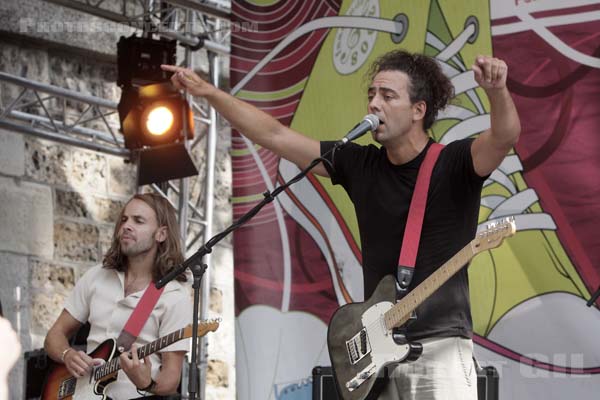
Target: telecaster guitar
x,y
60,384
359,336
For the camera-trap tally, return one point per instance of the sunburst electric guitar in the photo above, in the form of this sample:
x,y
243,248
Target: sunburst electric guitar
x,y
360,337
60,384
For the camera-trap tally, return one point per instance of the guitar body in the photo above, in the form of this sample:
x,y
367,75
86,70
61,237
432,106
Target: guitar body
x,y
60,384
360,336
360,347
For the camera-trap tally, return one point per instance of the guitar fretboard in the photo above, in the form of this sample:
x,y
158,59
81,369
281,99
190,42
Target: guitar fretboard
x,y
152,347
402,310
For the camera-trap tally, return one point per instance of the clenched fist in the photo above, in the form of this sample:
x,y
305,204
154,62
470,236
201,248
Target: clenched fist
x,y
490,72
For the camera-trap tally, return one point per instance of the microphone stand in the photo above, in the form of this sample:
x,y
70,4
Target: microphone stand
x,y
195,264
594,297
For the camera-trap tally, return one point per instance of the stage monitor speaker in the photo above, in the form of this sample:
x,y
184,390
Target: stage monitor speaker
x,y
323,384
488,382
37,365
324,387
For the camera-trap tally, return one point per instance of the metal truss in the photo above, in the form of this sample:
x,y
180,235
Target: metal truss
x,y
195,23
41,110
47,112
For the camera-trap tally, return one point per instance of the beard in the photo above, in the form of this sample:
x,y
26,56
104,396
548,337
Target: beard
x,y
135,248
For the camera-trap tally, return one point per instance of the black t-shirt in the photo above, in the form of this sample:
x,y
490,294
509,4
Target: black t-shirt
x,y
381,193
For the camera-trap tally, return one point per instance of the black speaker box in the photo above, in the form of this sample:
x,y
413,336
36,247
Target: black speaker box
x,y
488,382
324,387
37,365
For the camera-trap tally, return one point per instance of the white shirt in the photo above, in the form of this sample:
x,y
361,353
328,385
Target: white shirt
x,y
98,298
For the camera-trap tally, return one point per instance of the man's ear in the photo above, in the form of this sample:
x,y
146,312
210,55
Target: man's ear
x,y
161,234
419,110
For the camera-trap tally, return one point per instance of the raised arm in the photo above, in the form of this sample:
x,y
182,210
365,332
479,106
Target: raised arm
x,y
256,125
490,148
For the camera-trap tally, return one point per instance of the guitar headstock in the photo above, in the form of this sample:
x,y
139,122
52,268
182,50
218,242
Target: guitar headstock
x,y
494,235
209,325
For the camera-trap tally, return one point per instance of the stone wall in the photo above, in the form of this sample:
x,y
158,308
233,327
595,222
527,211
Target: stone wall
x,y
58,203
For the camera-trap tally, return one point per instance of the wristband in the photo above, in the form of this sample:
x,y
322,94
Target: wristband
x,y
64,353
147,388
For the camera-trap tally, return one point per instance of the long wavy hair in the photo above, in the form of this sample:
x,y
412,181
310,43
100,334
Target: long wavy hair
x,y
169,251
427,81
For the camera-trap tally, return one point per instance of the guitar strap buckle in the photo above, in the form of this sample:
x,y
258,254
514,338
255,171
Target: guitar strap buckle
x,y
403,280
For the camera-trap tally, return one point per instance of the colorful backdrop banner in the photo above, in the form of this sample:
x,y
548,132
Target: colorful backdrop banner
x,y
298,260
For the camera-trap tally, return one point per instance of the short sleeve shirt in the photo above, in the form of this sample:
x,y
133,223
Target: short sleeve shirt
x,y
381,193
98,298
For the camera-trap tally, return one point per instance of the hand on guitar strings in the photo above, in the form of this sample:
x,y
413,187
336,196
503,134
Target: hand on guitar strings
x,y
79,364
137,370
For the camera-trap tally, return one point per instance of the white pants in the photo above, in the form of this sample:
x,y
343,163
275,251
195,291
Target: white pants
x,y
445,371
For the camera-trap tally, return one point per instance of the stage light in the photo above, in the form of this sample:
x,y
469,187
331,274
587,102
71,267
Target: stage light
x,y
151,110
139,60
155,117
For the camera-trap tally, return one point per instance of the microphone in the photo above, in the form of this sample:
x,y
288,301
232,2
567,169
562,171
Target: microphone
x,y
369,123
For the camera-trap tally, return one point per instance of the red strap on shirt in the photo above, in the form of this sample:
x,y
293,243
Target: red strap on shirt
x,y
138,317
416,213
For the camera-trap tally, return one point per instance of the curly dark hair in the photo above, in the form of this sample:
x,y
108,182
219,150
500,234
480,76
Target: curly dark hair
x,y
169,252
427,81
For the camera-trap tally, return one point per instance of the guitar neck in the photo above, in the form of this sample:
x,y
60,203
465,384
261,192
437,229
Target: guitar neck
x,y
402,310
114,365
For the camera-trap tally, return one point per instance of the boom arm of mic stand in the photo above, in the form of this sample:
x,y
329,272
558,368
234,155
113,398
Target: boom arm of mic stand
x,y
195,264
195,259
207,248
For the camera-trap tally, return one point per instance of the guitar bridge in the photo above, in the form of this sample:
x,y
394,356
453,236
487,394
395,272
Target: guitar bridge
x,y
358,346
66,388
361,377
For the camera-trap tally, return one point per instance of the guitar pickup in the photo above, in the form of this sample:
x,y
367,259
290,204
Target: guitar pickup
x,y
358,346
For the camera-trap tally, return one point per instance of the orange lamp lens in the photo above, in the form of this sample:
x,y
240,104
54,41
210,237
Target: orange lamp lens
x,y
159,121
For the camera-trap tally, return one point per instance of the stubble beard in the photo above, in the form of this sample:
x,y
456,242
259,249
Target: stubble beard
x,y
137,248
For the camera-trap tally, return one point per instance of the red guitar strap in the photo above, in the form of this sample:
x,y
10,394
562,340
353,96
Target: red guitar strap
x,y
414,223
138,317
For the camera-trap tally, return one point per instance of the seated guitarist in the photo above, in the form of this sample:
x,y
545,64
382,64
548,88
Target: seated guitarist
x,y
406,92
146,243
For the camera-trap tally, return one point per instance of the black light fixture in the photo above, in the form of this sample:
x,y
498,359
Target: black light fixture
x,y
155,116
139,60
